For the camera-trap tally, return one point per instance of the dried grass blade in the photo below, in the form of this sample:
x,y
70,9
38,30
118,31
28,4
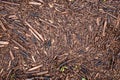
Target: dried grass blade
x,y
36,67
9,65
33,59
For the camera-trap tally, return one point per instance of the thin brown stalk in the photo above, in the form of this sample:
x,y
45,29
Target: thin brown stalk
x,y
47,23
39,35
2,25
36,67
11,3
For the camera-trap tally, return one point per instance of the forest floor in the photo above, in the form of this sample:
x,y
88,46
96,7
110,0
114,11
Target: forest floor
x,y
59,39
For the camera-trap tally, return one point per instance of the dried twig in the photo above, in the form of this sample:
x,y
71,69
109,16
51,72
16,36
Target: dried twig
x,y
9,65
105,24
111,15
12,56
98,21
34,31
34,34
34,68
1,71
33,58
34,3
47,23
19,45
101,10
2,25
11,3
4,43
42,73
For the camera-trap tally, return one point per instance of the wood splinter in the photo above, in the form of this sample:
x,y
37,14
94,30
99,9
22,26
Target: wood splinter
x,y
4,43
34,68
34,32
104,27
34,3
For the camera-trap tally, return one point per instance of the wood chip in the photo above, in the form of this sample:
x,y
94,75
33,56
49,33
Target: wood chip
x,y
2,25
42,73
18,44
9,65
10,3
105,24
34,3
4,43
34,68
13,17
12,56
98,21
34,31
1,71
47,23
34,34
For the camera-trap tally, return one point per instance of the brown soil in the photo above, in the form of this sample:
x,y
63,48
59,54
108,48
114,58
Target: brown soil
x,y
59,39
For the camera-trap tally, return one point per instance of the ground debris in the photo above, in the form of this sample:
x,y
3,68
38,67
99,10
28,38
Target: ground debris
x,y
59,40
